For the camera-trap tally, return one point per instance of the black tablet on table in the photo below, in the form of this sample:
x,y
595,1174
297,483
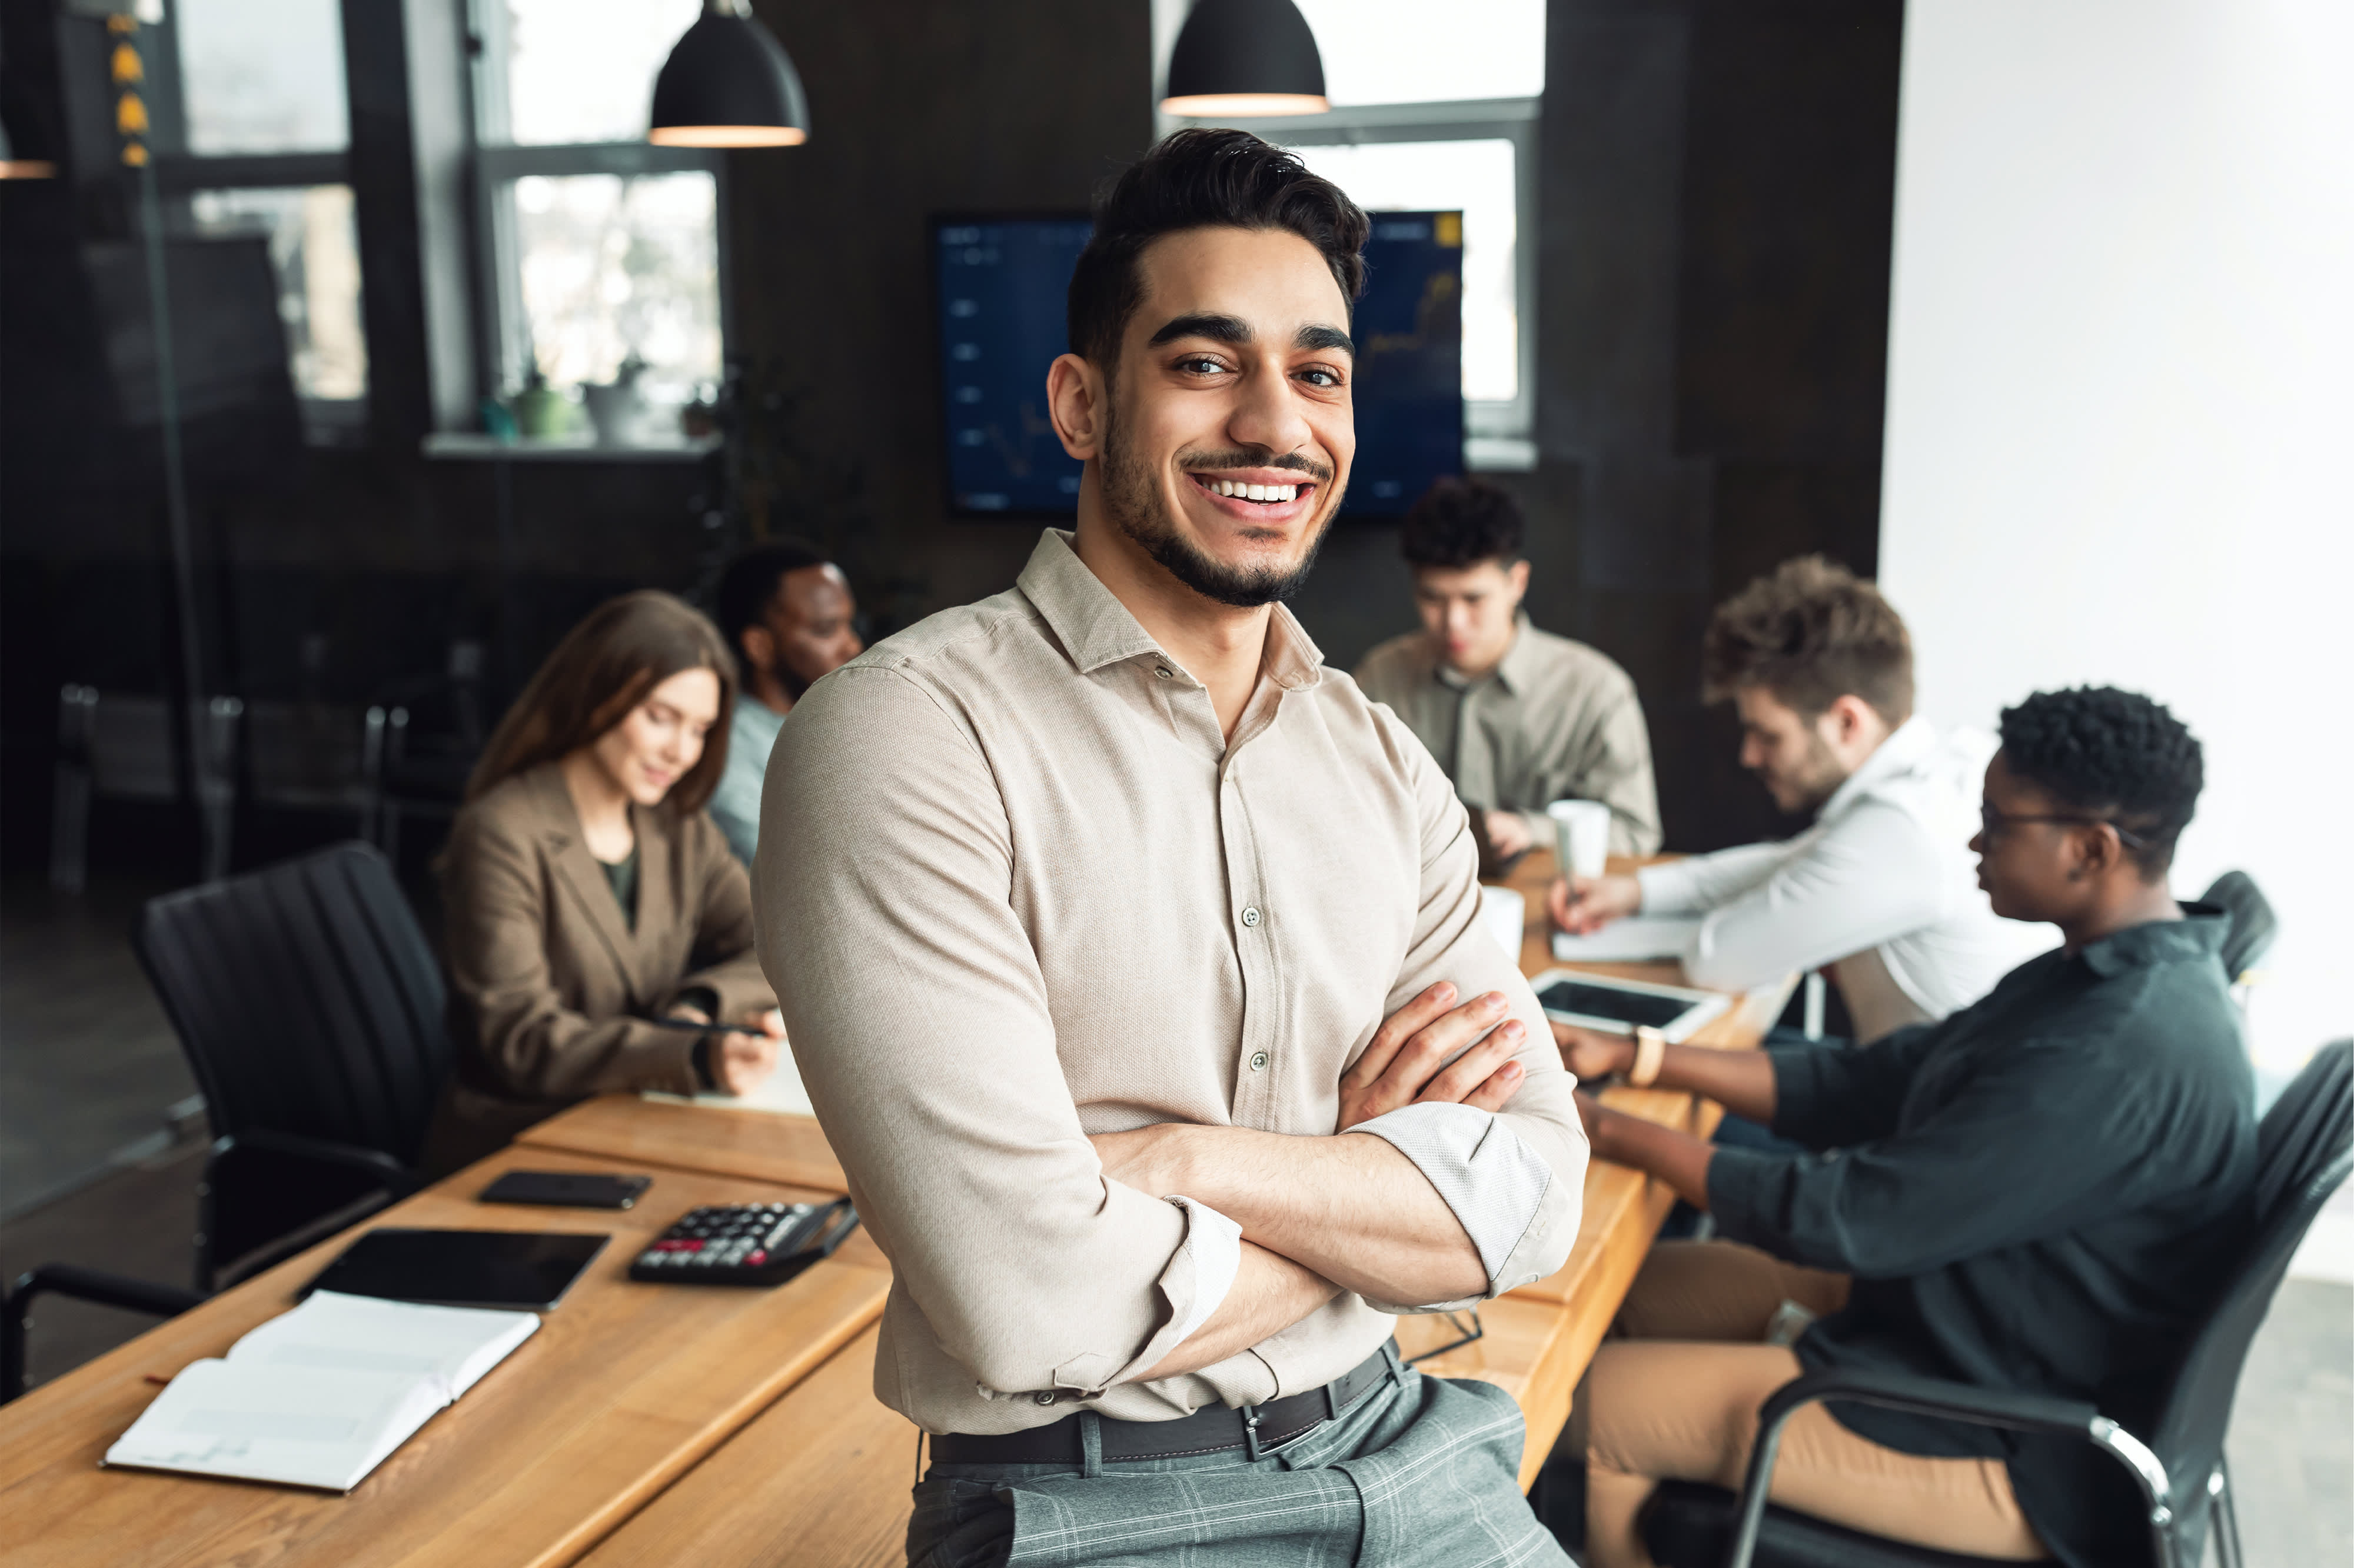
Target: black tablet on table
x,y
523,1270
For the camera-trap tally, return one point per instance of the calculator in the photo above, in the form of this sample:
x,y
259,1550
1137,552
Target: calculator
x,y
744,1244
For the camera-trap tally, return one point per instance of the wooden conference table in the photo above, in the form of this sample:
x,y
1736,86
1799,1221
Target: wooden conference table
x,y
650,1424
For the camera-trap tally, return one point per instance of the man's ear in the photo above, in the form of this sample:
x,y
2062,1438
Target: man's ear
x,y
1076,394
1849,716
759,647
1517,576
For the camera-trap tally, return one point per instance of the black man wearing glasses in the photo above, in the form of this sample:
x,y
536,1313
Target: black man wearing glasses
x,y
2036,1194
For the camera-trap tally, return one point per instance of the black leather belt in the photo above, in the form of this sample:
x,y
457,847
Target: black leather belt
x,y
1260,1427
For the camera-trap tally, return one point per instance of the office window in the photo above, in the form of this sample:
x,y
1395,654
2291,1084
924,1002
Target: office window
x,y
1478,177
595,246
262,76
1410,52
315,251
613,268
251,131
583,70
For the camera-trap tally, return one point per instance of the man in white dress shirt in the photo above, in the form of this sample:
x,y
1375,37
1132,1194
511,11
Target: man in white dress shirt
x,y
1881,888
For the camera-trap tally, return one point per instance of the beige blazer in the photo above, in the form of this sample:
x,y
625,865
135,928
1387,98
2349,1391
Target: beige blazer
x,y
548,983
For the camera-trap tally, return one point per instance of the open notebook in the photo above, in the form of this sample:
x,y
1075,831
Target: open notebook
x,y
319,1396
782,1092
1630,940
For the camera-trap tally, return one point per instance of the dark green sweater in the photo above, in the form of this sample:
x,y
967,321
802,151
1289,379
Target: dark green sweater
x,y
2042,1192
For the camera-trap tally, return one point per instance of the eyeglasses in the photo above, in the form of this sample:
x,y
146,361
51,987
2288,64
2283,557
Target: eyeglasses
x,y
1992,822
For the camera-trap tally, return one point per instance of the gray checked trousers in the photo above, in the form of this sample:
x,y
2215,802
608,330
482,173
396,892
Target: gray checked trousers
x,y
1420,1471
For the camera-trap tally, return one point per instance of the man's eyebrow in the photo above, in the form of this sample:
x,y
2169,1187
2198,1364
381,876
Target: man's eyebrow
x,y
1231,330
1315,338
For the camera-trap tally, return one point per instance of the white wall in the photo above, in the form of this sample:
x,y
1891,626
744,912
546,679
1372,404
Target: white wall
x,y
2120,442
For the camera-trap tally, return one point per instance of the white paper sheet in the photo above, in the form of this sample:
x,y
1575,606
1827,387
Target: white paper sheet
x,y
1630,940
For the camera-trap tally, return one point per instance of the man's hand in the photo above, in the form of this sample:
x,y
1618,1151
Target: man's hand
x,y
1676,1157
1508,833
1583,904
1406,1060
1590,1054
742,1063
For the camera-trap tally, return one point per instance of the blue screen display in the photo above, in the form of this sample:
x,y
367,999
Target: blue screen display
x,y
1000,295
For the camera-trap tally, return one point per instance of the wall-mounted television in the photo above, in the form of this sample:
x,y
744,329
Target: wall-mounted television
x,y
999,284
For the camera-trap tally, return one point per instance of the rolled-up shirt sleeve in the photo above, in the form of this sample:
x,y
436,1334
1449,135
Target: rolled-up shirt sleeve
x,y
919,1018
1515,1179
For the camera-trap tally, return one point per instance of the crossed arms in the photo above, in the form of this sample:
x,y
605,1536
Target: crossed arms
x,y
1323,1214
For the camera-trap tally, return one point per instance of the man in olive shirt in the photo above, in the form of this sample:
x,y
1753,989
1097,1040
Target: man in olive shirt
x,y
2036,1194
1518,718
1134,967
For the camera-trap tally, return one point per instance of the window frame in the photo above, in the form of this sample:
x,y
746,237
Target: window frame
x,y
180,175
495,161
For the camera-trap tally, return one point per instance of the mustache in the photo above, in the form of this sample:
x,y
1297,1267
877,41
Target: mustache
x,y
1257,456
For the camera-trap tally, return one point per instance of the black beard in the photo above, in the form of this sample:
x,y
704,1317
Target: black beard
x,y
1132,503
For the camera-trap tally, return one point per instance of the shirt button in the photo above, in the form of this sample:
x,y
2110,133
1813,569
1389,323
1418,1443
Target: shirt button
x,y
1258,1061
1044,1396
1250,915
1162,671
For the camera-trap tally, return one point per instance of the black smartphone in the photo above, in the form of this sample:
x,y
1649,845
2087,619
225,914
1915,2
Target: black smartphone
x,y
566,1189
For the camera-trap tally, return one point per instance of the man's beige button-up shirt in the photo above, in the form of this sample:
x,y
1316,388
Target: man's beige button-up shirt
x,y
1555,720
1015,888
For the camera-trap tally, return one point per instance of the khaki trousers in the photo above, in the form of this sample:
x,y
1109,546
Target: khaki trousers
x,y
1676,1399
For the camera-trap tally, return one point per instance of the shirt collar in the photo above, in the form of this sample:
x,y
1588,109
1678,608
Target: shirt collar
x,y
1514,671
1906,745
1097,629
2198,935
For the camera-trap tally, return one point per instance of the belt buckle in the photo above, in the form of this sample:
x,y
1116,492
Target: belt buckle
x,y
1254,1450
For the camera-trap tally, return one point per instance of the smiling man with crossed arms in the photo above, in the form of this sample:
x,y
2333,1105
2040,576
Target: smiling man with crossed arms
x,y
1127,948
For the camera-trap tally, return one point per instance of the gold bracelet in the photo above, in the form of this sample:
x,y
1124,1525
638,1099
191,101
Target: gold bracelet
x,y
1650,1050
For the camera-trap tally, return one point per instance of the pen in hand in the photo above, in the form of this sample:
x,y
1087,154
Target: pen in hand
x,y
692,1027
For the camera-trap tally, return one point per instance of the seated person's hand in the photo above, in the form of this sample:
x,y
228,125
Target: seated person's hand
x,y
1591,1054
742,1063
1407,1059
1583,904
1508,833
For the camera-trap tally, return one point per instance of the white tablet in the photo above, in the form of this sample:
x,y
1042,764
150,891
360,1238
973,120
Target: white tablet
x,y
1620,1006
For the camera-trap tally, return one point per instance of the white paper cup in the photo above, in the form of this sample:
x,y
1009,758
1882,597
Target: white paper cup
x,y
1581,831
1506,914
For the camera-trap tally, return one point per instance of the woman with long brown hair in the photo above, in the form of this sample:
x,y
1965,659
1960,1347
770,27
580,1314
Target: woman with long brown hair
x,y
588,893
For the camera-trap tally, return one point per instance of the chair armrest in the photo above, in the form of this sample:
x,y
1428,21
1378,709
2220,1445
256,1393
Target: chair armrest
x,y
1952,1402
85,1285
1929,1396
374,1163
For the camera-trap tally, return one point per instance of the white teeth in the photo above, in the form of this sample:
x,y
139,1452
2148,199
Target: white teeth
x,y
1253,491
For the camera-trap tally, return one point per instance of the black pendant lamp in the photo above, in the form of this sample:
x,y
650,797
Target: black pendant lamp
x,y
1241,59
729,83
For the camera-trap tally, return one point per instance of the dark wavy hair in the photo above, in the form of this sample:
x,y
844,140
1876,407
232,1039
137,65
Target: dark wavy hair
x,y
1810,632
604,667
1459,523
2111,754
1201,179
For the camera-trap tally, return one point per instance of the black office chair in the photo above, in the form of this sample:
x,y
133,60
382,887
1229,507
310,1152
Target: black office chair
x,y
2306,1147
2253,924
309,1005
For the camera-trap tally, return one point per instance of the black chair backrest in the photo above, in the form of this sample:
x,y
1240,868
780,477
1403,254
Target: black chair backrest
x,y
2305,1149
2253,924
307,999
